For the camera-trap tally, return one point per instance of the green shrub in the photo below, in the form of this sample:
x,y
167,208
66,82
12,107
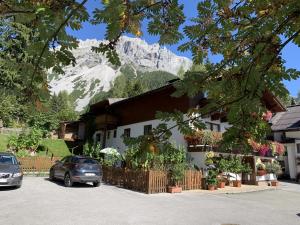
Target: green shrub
x,y
22,153
273,167
211,178
27,140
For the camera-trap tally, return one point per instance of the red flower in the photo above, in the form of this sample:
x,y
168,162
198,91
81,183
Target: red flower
x,y
280,148
263,149
267,115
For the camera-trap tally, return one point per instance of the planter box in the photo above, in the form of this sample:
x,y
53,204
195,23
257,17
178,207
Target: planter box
x,y
174,189
271,176
266,177
233,176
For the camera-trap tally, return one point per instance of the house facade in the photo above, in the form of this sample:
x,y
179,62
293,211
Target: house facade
x,y
286,129
112,119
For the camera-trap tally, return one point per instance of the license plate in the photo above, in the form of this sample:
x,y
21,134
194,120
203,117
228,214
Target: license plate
x,y
89,174
2,180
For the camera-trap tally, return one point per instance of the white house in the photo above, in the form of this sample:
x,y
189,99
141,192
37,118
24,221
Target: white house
x,y
113,118
286,129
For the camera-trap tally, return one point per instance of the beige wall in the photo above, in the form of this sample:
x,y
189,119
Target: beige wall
x,y
293,134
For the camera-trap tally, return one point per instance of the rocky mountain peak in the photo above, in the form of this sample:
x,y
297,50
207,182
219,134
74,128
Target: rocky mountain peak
x,y
93,72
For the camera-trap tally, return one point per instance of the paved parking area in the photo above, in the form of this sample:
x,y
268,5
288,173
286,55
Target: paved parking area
x,y
41,202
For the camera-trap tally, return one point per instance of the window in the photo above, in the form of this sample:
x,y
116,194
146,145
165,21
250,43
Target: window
x,y
127,132
108,134
213,126
298,148
115,133
8,160
147,129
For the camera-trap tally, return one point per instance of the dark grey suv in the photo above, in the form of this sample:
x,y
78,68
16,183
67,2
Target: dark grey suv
x,y
76,169
10,170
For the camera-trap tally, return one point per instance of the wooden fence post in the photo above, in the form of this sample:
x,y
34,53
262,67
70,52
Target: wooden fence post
x,y
148,185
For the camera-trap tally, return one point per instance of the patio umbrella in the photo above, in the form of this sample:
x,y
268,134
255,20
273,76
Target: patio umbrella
x,y
110,151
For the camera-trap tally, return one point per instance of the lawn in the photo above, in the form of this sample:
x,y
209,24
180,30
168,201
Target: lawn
x,y
56,147
3,142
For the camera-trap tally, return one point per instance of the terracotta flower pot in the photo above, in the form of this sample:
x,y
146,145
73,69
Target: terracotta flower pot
x,y
261,172
237,183
174,189
221,184
275,183
211,187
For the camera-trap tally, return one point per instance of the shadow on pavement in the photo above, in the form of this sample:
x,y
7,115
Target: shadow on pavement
x,y
75,185
8,188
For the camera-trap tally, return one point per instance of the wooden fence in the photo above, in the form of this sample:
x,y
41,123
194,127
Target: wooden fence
x,y
37,164
149,181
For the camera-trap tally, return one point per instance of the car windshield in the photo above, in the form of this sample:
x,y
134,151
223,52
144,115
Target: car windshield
x,y
8,160
85,160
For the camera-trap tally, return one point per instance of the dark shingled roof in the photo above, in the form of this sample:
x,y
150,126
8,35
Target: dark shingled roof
x,y
289,120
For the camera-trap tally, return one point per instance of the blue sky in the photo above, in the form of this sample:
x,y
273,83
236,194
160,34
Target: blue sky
x,y
290,53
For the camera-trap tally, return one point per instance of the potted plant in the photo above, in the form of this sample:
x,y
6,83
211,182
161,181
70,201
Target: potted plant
x,y
236,167
222,166
177,174
221,181
246,170
273,169
211,180
261,168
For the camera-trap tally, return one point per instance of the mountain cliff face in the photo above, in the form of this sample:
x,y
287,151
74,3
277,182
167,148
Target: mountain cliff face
x,y
93,73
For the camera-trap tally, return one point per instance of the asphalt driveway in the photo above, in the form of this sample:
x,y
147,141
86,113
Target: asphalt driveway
x,y
42,202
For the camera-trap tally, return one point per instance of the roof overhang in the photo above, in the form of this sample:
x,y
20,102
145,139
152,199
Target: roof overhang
x,y
272,102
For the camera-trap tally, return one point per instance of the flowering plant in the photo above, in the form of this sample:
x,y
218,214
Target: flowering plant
x,y
263,149
260,165
204,137
280,148
267,115
255,146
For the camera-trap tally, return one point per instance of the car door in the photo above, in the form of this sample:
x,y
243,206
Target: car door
x,y
65,166
59,167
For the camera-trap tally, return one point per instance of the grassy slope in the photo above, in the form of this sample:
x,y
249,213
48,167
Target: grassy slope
x,y
56,147
3,142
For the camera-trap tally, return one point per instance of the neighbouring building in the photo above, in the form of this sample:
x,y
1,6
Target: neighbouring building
x,y
286,129
108,120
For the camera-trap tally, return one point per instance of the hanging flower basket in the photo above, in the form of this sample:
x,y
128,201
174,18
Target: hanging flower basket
x,y
204,137
270,148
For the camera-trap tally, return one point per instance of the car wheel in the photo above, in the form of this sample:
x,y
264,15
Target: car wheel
x,y
51,175
67,180
96,184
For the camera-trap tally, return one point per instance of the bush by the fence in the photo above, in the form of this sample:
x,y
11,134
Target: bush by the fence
x,y
149,181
